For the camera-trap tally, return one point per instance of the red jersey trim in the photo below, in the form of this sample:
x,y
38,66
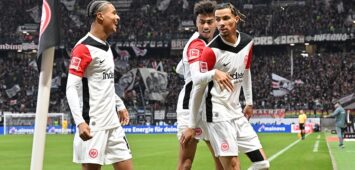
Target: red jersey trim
x,y
194,51
249,58
80,60
209,57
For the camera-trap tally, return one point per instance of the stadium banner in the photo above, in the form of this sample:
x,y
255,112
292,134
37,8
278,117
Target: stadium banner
x,y
328,37
143,44
128,129
156,83
159,114
286,39
280,85
269,113
149,129
178,44
264,128
21,47
308,127
20,130
281,121
126,83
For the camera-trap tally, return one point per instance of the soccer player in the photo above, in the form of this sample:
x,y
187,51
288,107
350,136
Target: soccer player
x,y
98,112
340,122
205,24
302,118
228,128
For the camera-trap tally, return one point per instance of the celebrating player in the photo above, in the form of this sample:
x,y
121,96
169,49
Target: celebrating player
x,y
205,23
100,138
228,128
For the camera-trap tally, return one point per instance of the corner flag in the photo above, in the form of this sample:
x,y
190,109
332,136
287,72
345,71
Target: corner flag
x,y
49,28
48,39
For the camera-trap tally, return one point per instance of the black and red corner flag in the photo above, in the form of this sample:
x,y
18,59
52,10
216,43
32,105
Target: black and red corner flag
x,y
49,29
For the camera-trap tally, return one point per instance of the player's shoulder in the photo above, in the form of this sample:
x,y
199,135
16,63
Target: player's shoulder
x,y
245,37
80,49
198,42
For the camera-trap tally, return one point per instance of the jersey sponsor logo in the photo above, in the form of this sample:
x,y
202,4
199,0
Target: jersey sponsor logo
x,y
224,146
203,67
108,75
237,77
194,53
75,63
101,61
93,153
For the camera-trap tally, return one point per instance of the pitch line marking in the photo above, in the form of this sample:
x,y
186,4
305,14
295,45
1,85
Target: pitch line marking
x,y
331,156
316,145
284,149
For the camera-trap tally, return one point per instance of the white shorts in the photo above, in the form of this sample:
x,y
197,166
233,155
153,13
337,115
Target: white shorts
x,y
183,119
106,147
230,137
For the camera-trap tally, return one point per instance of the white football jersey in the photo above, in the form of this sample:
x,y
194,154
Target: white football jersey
x,y
92,59
185,93
234,59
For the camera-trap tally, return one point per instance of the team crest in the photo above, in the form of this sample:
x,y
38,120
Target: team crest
x,y
93,153
75,63
224,146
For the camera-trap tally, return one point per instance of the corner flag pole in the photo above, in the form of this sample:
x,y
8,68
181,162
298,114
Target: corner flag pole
x,y
44,89
48,40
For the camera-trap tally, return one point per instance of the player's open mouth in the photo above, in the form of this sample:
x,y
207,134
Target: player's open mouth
x,y
222,30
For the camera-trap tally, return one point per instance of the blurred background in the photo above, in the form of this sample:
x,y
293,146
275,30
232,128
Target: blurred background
x,y
303,57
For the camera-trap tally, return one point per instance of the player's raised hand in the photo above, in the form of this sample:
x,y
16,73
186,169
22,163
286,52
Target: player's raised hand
x,y
248,111
187,135
224,80
84,131
124,117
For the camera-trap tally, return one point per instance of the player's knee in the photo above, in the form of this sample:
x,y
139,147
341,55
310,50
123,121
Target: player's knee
x,y
261,165
234,164
187,164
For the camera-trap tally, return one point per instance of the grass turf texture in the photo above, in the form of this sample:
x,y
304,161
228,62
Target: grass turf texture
x,y
160,152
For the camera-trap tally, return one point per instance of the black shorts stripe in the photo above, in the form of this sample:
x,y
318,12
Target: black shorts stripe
x,y
209,113
124,137
186,101
86,100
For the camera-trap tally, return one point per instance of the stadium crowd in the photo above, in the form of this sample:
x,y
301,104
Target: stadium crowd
x,y
148,21
326,76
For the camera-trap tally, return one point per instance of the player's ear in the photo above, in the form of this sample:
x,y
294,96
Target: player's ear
x,y
237,18
100,16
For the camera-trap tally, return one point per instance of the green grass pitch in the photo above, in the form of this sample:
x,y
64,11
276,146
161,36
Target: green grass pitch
x,y
159,152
